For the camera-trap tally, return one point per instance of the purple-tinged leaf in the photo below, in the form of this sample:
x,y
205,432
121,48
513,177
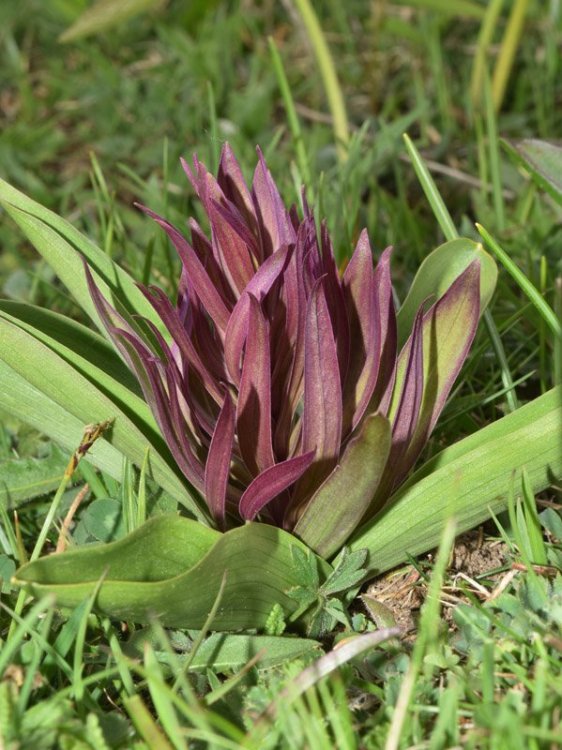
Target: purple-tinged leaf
x,y
405,407
185,308
208,343
192,407
230,248
288,368
202,284
339,504
404,417
336,302
159,381
169,316
204,251
436,274
449,328
360,292
386,315
217,467
233,185
110,318
232,242
237,328
231,216
162,403
235,338
322,409
322,413
271,483
254,397
274,225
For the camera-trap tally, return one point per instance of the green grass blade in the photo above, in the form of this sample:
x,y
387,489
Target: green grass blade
x,y
485,38
104,15
329,75
494,155
508,50
431,192
164,707
292,117
527,287
145,724
428,632
450,231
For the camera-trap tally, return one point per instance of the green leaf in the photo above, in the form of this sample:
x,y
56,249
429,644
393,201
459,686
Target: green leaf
x,y
103,519
468,481
344,497
436,274
104,15
173,567
35,408
7,570
94,358
348,572
223,652
73,341
62,247
23,479
307,569
543,161
65,386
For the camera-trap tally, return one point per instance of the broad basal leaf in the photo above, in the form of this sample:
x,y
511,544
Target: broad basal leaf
x,y
173,567
63,247
468,481
33,407
65,386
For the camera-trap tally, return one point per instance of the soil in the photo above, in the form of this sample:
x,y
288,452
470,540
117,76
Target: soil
x,y
477,566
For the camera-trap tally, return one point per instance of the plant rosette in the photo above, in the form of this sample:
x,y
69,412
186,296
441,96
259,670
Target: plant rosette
x,y
273,392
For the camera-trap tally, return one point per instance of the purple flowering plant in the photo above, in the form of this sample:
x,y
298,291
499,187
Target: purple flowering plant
x,y
283,402
275,372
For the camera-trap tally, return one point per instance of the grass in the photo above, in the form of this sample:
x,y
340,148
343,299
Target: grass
x,y
90,126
